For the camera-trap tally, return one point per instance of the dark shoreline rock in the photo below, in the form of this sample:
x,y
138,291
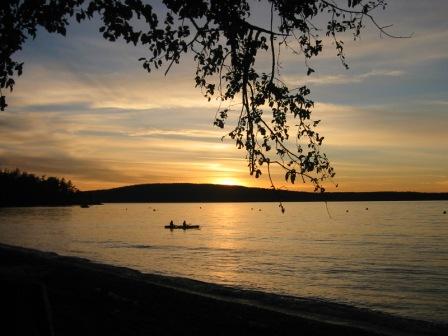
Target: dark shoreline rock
x,y
87,298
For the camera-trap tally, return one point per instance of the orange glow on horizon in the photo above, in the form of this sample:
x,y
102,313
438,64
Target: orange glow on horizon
x,y
228,181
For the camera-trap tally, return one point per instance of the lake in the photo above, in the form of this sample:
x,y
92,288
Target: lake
x,y
386,256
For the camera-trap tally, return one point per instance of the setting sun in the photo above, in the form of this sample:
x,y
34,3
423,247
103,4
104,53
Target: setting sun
x,y
227,181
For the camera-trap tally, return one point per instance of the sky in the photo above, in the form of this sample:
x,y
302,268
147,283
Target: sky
x,y
84,109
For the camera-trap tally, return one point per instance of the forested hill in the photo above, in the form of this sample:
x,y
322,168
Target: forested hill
x,y
18,188
184,192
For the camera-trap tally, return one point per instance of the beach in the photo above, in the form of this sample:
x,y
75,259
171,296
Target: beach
x,y
44,294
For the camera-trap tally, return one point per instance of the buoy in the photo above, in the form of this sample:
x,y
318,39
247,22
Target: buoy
x,y
367,208
346,210
444,212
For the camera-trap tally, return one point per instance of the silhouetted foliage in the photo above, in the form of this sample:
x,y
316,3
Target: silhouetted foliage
x,y
225,43
22,188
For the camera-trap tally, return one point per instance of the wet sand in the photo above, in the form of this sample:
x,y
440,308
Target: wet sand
x,y
43,293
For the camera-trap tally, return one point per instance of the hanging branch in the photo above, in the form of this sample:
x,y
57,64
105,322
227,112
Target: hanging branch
x,y
225,46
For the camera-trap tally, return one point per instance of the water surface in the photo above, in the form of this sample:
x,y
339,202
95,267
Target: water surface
x,y
391,257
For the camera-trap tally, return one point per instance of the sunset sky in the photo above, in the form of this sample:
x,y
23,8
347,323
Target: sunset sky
x,y
85,109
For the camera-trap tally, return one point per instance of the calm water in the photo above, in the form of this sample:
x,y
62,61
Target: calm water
x,y
392,257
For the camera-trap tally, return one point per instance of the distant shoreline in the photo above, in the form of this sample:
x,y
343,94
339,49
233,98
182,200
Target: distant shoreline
x,y
211,193
59,205
83,297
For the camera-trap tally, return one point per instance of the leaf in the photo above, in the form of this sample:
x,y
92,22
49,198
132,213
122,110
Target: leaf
x,y
3,104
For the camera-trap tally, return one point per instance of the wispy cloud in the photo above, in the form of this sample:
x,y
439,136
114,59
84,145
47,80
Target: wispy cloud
x,y
340,78
59,86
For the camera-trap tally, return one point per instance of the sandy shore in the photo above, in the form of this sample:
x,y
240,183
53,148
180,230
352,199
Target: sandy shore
x,y
44,294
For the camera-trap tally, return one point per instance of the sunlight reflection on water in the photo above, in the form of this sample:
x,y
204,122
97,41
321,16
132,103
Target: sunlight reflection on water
x,y
392,257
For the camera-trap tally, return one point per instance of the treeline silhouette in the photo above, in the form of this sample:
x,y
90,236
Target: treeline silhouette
x,y
19,188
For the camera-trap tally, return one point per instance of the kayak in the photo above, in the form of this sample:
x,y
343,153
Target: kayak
x,y
182,227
